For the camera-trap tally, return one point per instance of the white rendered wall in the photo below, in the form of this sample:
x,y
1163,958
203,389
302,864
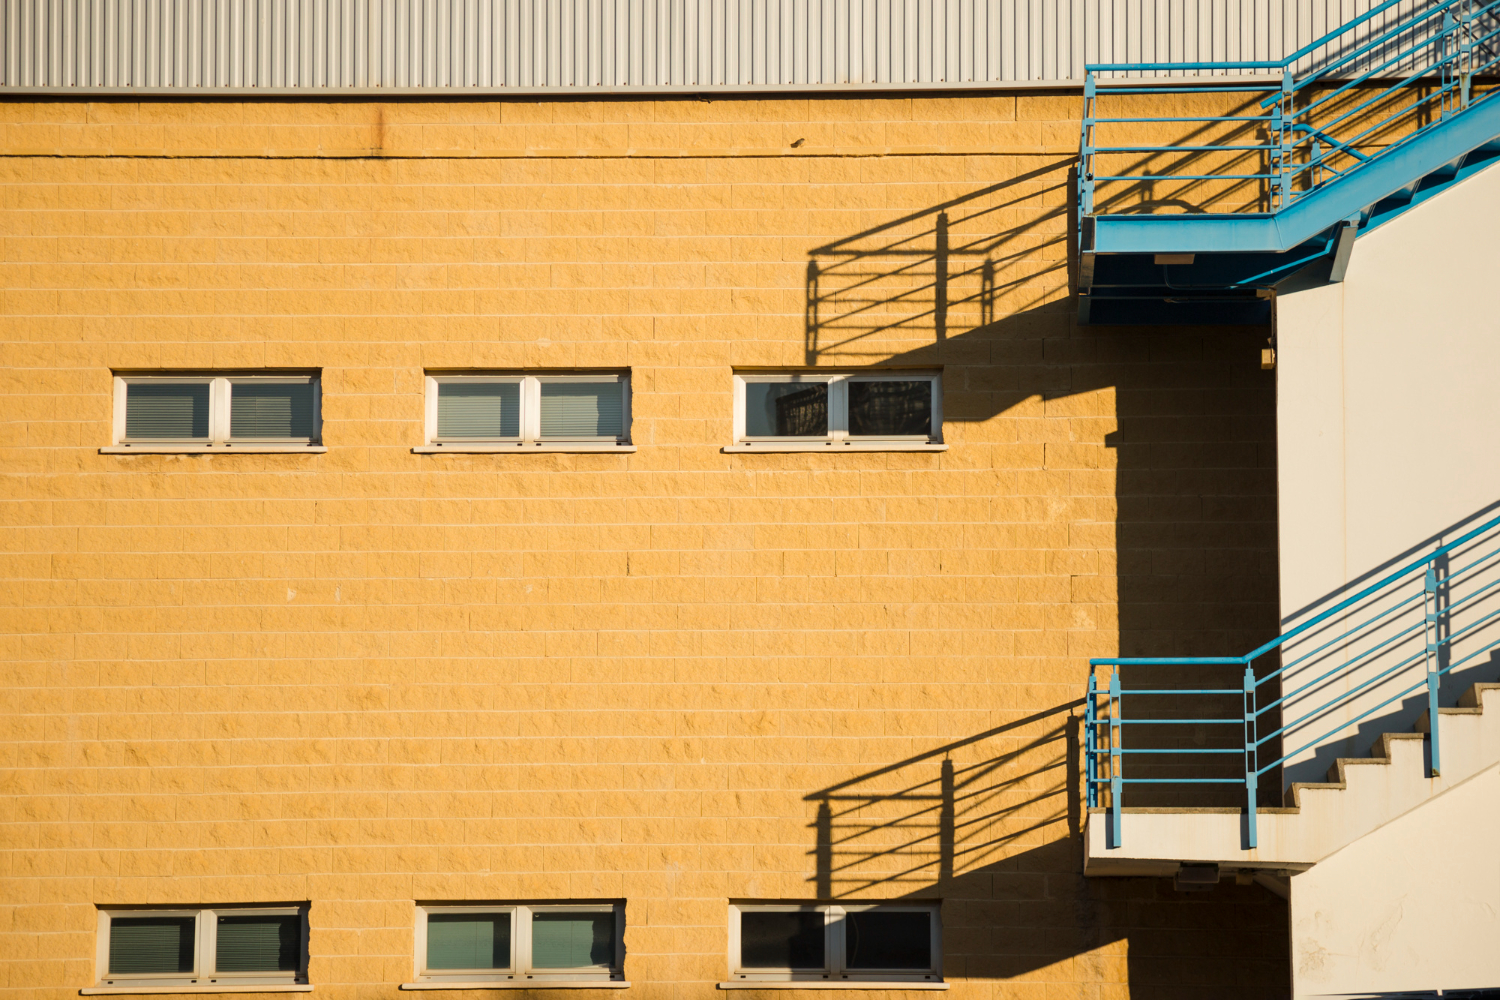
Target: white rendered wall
x,y
1388,411
1413,906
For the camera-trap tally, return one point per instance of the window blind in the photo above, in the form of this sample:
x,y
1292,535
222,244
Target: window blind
x,y
572,940
166,411
479,410
468,941
277,410
259,943
143,945
582,409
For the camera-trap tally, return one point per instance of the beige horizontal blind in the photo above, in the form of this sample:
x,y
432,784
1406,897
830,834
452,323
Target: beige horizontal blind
x,y
166,411
478,410
271,410
582,409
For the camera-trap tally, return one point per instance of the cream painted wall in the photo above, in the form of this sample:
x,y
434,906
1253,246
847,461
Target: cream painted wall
x,y
1388,415
1413,906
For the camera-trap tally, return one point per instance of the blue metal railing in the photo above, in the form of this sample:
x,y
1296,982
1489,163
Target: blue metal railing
x,y
1393,638
1422,68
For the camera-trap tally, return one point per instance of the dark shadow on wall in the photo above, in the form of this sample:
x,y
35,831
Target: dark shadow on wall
x,y
979,286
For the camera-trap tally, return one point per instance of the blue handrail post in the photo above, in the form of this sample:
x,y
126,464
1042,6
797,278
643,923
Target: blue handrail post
x,y
1251,777
1086,151
1090,721
1465,53
1116,778
1429,605
1281,123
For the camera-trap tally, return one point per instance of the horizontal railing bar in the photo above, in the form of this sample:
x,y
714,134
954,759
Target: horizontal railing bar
x,y
1136,91
1186,177
1465,659
1164,661
1222,118
1184,781
1125,67
1165,750
1238,690
1176,722
1190,149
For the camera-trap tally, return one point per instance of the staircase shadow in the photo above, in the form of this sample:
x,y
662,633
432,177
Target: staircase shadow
x,y
1133,472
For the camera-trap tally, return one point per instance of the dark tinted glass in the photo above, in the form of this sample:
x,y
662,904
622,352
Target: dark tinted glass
x,y
166,411
781,940
271,410
468,940
786,409
143,945
882,939
562,940
890,408
258,944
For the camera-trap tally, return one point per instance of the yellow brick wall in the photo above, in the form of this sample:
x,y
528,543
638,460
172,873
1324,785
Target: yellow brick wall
x,y
675,677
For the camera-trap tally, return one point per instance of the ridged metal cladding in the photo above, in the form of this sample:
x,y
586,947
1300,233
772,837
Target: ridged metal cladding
x,y
648,45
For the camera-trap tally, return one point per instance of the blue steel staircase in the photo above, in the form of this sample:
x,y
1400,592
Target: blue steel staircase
x,y
1275,179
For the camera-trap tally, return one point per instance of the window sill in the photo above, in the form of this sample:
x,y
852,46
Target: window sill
x,y
829,984
523,449
771,447
210,988
213,449
524,984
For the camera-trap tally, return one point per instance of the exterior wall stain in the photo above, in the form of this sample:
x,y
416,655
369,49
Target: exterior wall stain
x,y
676,677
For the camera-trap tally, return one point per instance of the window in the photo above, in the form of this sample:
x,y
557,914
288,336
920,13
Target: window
x,y
574,411
212,948
521,944
809,411
870,942
201,412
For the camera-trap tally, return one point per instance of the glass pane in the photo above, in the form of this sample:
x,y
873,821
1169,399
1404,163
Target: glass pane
x,y
165,411
271,410
890,408
572,940
781,940
142,945
786,409
479,410
582,409
468,940
259,944
882,939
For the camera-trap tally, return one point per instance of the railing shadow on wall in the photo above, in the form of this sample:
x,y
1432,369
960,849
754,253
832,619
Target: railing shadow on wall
x,y
1174,551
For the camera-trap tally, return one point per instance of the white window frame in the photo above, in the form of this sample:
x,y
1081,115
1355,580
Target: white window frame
x,y
204,978
833,973
530,438
838,437
221,388
521,973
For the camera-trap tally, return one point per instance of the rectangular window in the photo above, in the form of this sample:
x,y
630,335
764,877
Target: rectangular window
x,y
495,412
216,410
802,410
223,946
520,943
877,942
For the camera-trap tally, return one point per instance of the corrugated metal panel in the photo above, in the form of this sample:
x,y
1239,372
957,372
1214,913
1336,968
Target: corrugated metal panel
x,y
358,45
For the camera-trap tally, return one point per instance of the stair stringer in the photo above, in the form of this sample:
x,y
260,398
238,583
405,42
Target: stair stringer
x,y
1366,793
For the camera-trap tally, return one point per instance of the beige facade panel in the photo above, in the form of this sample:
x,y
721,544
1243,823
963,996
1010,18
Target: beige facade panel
x,y
629,45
